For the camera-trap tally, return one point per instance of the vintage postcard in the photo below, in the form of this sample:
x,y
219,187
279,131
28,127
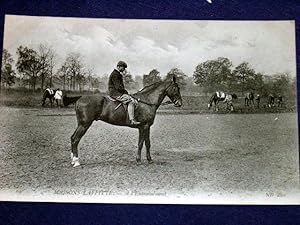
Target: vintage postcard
x,y
148,111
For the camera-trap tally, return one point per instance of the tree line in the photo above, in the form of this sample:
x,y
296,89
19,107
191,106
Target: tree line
x,y
219,74
40,68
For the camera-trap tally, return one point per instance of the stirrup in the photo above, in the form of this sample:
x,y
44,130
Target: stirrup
x,y
134,122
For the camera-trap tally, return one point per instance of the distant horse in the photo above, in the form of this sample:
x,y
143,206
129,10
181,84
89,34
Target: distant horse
x,y
280,101
219,96
48,94
249,99
271,100
96,107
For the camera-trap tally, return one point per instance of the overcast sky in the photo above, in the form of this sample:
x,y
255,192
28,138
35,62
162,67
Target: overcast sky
x,y
269,46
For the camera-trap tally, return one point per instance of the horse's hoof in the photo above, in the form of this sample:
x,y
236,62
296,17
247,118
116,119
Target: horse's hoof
x,y
76,164
138,162
150,161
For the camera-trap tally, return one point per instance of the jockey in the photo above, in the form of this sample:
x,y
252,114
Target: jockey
x,y
116,90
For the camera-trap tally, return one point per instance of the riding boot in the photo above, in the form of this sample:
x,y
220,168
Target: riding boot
x,y
131,114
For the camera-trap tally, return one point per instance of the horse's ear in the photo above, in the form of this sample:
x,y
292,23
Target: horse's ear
x,y
174,79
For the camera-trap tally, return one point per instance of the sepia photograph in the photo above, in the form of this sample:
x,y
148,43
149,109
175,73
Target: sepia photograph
x,y
148,111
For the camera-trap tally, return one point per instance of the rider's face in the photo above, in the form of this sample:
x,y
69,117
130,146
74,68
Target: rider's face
x,y
121,69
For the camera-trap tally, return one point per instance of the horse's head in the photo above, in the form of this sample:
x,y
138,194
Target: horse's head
x,y
173,93
212,99
234,96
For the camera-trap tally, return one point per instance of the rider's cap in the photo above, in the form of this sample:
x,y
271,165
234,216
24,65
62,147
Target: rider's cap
x,y
122,63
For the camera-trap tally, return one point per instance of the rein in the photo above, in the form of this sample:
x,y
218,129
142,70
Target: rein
x,y
153,104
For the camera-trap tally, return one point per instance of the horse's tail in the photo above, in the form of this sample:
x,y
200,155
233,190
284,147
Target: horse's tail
x,y
44,94
69,100
44,97
234,96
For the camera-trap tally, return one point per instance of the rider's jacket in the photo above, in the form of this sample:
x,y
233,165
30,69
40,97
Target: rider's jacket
x,y
115,84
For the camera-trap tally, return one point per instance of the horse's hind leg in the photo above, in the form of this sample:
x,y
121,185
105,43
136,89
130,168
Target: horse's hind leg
x,y
76,137
148,145
140,145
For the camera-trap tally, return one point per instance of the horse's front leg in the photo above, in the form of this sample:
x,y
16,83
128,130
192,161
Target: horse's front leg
x,y
216,106
140,145
230,106
148,145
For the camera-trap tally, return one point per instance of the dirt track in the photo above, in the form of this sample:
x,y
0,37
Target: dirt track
x,y
211,154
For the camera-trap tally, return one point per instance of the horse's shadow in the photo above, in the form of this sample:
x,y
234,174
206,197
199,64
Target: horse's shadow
x,y
122,163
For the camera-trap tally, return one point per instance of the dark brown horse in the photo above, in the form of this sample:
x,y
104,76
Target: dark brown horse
x,y
96,107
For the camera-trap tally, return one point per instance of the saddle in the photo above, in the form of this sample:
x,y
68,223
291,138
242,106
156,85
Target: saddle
x,y
109,98
51,92
221,94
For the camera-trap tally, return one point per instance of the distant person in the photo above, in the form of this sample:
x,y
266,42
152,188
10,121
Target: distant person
x,y
280,101
117,90
271,101
58,97
257,99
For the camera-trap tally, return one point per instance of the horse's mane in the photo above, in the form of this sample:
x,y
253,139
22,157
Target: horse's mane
x,y
149,87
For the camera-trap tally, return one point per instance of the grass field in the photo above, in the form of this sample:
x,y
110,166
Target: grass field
x,y
193,103
217,156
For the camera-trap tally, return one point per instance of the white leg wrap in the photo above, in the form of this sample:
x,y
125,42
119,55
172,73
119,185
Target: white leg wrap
x,y
75,162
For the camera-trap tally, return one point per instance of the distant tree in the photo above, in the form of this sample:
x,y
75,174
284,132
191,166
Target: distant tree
x,y
28,64
181,77
8,75
128,81
281,84
151,78
61,74
213,75
257,83
244,75
103,82
72,71
293,88
81,80
89,79
95,83
46,57
139,81
7,57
